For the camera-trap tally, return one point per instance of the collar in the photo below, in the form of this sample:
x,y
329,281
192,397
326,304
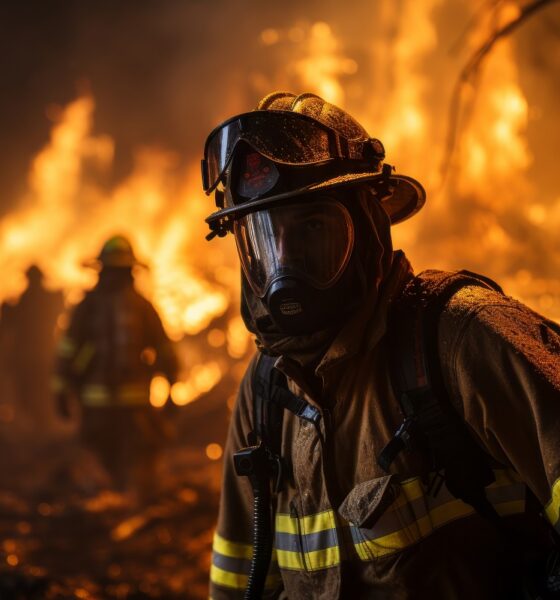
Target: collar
x,y
366,328
362,333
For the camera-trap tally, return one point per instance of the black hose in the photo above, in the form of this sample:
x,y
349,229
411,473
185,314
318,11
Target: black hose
x,y
262,544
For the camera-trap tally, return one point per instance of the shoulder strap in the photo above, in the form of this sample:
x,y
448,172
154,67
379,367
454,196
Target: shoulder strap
x,y
267,416
431,423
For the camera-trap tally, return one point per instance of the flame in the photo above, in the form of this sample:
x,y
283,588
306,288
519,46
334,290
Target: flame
x,y
203,378
489,217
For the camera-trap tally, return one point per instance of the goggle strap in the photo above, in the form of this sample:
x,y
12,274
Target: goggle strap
x,y
204,169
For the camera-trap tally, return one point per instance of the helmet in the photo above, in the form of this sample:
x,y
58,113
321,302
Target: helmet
x,y
117,252
293,145
285,178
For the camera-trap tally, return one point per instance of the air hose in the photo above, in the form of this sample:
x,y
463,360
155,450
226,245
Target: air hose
x,y
253,462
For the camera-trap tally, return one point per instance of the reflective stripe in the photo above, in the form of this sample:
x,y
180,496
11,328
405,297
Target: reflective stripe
x,y
228,579
95,395
420,516
83,358
231,564
232,549
126,395
308,542
66,347
552,509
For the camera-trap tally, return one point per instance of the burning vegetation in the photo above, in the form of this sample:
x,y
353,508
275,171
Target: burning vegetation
x,y
462,131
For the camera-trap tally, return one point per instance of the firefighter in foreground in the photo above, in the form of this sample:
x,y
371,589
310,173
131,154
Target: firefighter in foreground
x,y
396,436
114,345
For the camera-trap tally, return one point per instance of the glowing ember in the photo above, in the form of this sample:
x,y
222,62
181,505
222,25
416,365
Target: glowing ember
x,y
159,391
214,451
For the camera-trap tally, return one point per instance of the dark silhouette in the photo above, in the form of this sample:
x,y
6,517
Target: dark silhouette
x,y
27,331
114,345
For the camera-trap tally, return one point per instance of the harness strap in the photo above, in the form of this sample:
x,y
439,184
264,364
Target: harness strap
x,y
431,424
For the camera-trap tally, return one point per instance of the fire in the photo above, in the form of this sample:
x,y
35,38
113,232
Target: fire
x,y
67,215
486,216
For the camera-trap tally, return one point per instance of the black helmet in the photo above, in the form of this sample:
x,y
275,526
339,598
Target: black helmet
x,y
294,145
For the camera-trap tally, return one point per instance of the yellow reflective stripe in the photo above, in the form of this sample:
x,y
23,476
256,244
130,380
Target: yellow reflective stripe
x,y
311,561
436,516
387,544
227,578
232,549
83,358
238,581
100,395
322,559
552,509
412,489
301,527
316,523
244,552
440,515
290,560
66,347
95,395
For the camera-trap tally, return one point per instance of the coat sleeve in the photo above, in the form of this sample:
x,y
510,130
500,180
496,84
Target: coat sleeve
x,y
74,350
503,363
232,546
166,357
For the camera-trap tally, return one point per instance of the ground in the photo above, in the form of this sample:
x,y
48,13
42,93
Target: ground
x,y
66,534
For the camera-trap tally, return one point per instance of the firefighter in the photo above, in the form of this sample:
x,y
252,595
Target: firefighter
x,y
114,345
27,345
402,442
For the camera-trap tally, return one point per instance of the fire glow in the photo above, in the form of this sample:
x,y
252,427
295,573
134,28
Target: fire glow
x,y
67,212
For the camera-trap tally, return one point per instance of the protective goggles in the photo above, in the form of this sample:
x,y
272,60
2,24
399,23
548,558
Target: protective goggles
x,y
312,241
283,136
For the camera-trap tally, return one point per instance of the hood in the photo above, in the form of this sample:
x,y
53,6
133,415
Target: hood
x,y
372,258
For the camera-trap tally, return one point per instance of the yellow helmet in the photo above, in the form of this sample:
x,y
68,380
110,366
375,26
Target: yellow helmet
x,y
117,252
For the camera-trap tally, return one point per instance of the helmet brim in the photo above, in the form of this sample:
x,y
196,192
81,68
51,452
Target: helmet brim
x,y
400,196
119,262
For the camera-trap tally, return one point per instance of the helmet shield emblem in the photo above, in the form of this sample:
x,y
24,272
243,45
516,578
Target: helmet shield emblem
x,y
257,176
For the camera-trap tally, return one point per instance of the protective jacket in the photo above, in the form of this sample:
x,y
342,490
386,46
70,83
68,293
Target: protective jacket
x,y
343,529
114,344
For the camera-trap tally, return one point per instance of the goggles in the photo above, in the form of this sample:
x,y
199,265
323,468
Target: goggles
x,y
311,241
285,137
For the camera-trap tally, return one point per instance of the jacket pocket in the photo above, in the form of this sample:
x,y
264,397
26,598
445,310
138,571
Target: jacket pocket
x,y
376,514
365,504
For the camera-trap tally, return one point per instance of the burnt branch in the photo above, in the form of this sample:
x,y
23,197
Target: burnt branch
x,y
471,71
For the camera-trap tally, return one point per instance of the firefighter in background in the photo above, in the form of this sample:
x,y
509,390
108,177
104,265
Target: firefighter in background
x,y
27,347
114,345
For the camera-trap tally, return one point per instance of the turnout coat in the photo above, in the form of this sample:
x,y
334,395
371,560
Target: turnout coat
x,y
343,529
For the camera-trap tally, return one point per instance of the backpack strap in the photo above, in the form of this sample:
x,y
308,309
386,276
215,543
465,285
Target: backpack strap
x,y
271,397
431,424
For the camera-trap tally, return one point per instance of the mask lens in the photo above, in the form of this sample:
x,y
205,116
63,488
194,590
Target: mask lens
x,y
310,241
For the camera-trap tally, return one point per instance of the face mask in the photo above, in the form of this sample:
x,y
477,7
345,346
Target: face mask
x,y
293,256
